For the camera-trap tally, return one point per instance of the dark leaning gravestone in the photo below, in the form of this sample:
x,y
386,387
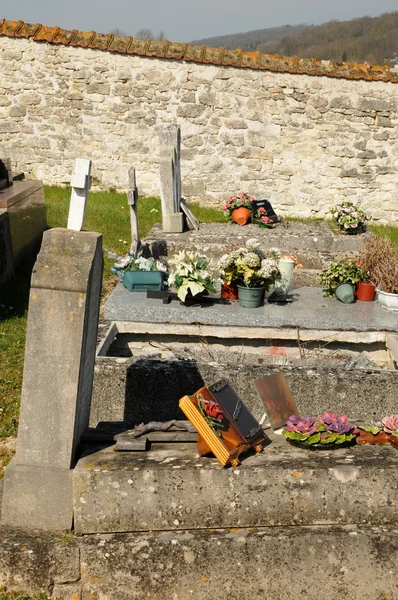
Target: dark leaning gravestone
x,y
22,222
57,383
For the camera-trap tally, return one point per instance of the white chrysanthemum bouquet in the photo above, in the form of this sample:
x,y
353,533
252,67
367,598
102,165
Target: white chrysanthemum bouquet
x,y
251,266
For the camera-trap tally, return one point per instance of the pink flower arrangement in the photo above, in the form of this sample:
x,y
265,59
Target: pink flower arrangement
x,y
330,428
390,425
242,199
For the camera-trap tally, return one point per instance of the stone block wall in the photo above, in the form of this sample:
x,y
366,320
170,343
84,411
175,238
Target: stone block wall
x,y
303,142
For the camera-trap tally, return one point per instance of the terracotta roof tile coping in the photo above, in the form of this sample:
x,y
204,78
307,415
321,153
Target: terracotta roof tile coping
x,y
197,54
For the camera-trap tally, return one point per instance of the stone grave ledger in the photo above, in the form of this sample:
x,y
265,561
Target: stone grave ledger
x,y
57,381
22,222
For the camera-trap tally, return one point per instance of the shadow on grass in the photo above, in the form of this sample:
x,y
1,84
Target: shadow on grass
x,y
14,299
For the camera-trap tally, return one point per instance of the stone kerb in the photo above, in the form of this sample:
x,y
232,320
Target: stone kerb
x,y
57,382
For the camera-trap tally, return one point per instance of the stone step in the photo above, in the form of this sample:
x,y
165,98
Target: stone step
x,y
171,488
127,389
314,244
228,564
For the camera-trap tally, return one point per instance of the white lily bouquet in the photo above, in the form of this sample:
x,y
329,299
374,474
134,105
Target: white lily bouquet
x,y
191,274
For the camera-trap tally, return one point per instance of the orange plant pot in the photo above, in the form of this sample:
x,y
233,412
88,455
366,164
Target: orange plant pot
x,y
241,215
229,291
366,291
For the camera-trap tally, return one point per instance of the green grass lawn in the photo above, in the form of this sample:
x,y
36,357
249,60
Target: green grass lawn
x,y
4,595
387,231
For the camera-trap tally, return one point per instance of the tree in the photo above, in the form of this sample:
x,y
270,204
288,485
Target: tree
x,y
118,32
144,34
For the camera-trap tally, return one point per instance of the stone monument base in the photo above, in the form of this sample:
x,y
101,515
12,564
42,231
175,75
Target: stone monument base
x,y
46,501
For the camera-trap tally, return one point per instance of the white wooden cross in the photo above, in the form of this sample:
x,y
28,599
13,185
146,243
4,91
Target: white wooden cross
x,y
80,183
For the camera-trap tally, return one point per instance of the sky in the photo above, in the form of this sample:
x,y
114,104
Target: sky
x,y
186,20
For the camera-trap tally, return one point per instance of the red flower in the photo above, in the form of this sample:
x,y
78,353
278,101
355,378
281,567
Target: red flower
x,y
262,210
265,220
213,410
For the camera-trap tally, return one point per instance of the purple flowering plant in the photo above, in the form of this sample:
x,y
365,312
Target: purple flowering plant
x,y
330,428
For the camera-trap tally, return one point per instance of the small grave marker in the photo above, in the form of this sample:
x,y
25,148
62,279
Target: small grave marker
x,y
80,183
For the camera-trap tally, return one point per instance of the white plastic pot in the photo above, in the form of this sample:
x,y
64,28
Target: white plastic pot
x,y
388,301
286,267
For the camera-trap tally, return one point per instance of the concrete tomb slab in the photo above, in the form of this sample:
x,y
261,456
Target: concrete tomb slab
x,y
171,488
309,310
57,381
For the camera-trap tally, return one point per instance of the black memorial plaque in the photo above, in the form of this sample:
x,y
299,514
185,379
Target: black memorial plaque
x,y
237,412
266,204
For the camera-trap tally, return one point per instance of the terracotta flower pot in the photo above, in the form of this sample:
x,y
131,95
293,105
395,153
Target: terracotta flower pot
x,y
229,291
365,437
366,291
241,215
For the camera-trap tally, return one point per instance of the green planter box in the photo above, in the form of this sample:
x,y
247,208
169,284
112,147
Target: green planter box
x,y
141,281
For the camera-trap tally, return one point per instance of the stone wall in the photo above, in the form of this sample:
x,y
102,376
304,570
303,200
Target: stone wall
x,y
303,142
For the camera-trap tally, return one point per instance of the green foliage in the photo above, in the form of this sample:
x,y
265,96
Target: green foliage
x,y
9,595
347,271
252,40
373,429
366,39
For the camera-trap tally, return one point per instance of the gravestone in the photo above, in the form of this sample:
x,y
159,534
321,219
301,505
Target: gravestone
x,y
170,178
57,381
22,222
132,198
5,173
80,183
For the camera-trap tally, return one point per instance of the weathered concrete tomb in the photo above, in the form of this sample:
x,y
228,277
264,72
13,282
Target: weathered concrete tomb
x,y
301,133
